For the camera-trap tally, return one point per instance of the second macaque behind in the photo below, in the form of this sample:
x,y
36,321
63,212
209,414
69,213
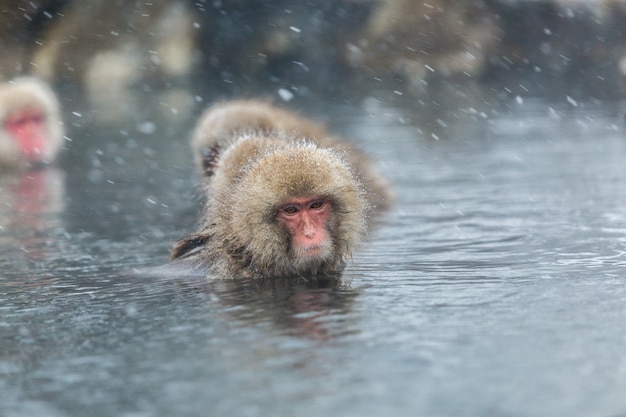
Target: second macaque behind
x,y
282,201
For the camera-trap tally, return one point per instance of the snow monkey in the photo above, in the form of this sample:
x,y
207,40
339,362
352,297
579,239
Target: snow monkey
x,y
282,201
31,132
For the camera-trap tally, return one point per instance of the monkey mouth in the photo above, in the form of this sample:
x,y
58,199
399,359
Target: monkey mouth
x,y
313,251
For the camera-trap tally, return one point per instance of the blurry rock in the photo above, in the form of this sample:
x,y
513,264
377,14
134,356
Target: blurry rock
x,y
250,47
115,51
553,48
22,24
417,39
121,55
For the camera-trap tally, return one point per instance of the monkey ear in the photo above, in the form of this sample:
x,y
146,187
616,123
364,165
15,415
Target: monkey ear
x,y
210,156
189,245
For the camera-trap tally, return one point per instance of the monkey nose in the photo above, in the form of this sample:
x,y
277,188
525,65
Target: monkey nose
x,y
309,230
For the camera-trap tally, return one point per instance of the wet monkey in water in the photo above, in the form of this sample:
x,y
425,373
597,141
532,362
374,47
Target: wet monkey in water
x,y
281,200
31,132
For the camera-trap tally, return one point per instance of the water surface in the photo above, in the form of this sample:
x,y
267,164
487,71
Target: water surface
x,y
495,287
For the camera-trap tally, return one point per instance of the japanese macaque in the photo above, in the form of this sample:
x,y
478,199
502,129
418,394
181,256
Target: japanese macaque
x,y
280,201
31,133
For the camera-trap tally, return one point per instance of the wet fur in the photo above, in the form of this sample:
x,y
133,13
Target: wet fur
x,y
225,122
255,157
241,236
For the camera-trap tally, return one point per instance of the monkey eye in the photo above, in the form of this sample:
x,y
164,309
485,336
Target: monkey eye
x,y
290,210
20,121
316,204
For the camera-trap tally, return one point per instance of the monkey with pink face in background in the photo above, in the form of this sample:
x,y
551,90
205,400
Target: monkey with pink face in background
x,y
31,136
31,131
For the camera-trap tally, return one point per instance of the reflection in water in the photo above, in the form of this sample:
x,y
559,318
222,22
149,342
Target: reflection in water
x,y
32,204
298,306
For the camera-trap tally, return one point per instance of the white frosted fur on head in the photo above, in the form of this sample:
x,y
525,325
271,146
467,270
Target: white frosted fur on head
x,y
29,93
223,122
238,156
273,173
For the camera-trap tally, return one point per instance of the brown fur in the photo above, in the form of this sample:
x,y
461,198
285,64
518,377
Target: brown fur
x,y
241,237
223,123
